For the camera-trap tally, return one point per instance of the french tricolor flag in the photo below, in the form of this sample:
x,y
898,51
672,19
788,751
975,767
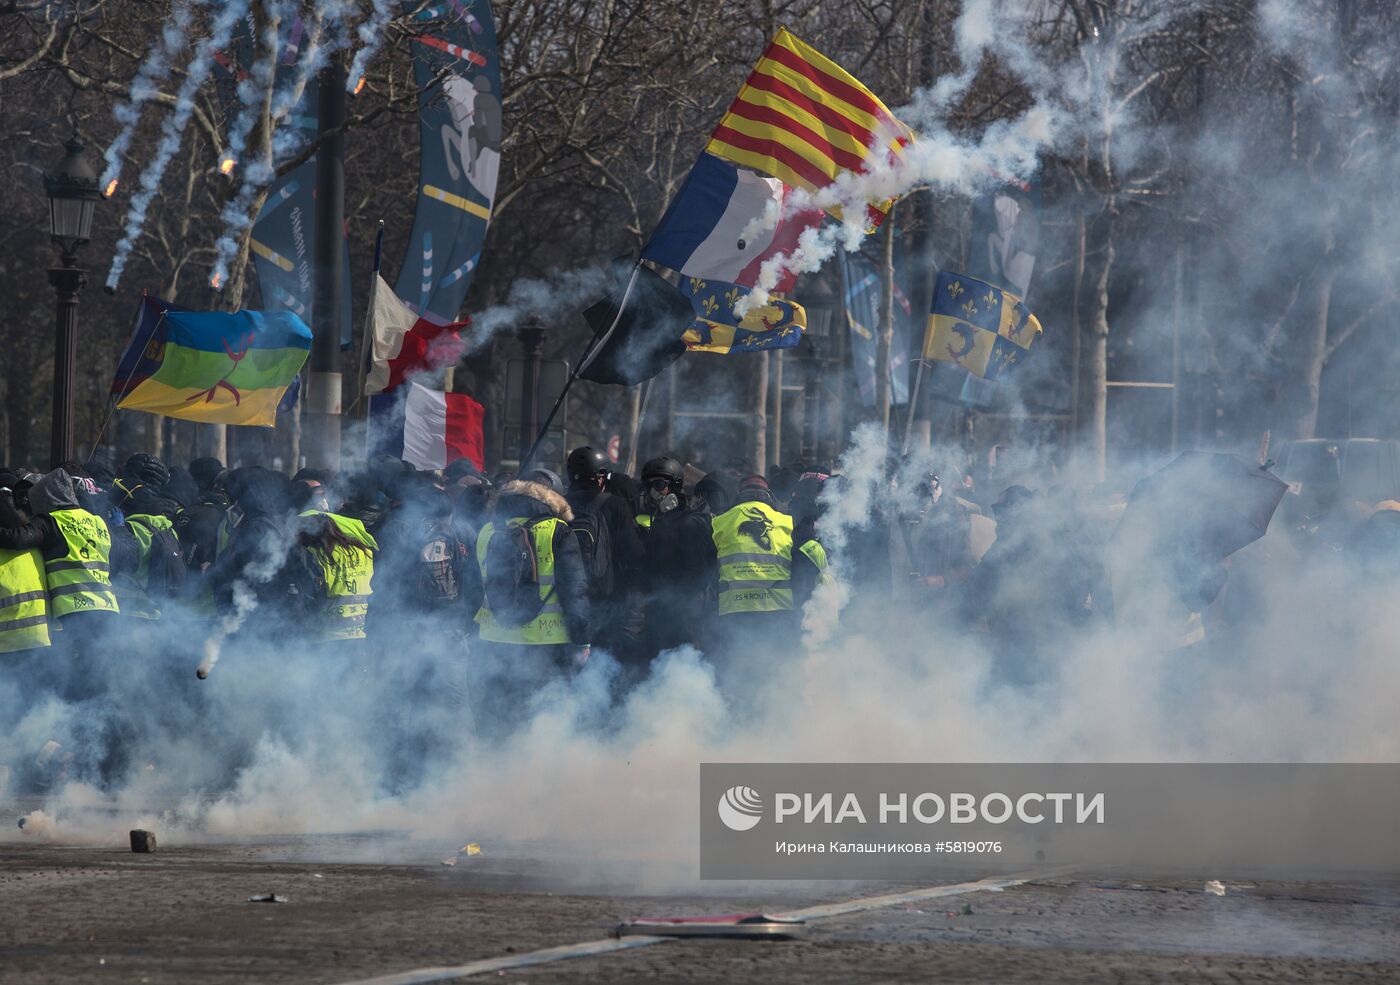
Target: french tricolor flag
x,y
710,231
404,343
439,428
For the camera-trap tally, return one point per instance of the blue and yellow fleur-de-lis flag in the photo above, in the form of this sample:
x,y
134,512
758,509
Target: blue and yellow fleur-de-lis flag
x,y
717,328
982,328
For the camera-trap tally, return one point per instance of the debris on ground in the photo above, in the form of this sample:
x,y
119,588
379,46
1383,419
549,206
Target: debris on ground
x,y
143,842
737,925
267,898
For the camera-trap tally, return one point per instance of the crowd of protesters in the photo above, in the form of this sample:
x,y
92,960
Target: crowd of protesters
x,y
527,576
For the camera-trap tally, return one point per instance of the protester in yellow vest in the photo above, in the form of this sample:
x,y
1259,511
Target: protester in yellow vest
x,y
76,551
75,545
758,559
24,601
532,522
343,552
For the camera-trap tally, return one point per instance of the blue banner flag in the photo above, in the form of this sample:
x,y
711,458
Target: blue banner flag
x,y
459,157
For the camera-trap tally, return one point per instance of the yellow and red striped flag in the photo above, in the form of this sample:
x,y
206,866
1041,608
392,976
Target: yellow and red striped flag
x,y
804,119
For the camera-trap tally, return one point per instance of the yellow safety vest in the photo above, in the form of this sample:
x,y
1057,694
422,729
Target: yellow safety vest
x,y
143,528
547,628
131,587
347,574
817,554
754,576
644,520
24,601
79,581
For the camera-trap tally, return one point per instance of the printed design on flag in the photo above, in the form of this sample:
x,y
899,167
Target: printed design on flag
x,y
457,68
776,325
222,367
977,326
805,120
864,309
244,344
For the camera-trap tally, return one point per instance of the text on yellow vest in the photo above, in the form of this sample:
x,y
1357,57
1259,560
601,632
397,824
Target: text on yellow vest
x,y
545,629
754,544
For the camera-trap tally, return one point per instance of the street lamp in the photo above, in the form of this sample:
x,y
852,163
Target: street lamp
x,y
72,191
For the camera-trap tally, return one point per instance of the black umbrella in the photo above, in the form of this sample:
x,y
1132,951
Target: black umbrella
x,y
1209,504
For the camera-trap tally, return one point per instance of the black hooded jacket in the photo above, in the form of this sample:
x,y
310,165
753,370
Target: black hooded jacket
x,y
613,510
54,491
258,545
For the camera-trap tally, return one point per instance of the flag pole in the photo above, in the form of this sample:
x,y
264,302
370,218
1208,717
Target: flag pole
x,y
913,404
636,434
361,405
595,344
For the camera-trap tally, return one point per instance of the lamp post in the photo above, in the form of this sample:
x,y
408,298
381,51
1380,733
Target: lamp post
x,y
72,192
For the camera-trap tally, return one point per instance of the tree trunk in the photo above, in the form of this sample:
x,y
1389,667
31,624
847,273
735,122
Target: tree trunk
x,y
758,414
1314,355
1096,349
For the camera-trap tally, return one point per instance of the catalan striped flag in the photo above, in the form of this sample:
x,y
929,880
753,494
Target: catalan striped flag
x,y
805,120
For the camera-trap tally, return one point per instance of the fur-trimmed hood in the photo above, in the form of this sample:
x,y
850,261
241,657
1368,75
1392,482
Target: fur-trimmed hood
x,y
532,499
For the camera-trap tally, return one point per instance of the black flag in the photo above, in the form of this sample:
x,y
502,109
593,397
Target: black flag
x,y
646,338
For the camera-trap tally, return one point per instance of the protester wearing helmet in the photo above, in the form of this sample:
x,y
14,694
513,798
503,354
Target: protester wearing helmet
x,y
679,558
611,550
663,480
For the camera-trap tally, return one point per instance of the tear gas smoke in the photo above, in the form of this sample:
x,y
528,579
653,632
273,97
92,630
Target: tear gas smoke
x,y
371,35
173,127
415,738
151,73
324,32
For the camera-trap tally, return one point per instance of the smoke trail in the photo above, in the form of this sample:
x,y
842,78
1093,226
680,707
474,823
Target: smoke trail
x,y
154,70
258,174
370,32
1069,101
173,131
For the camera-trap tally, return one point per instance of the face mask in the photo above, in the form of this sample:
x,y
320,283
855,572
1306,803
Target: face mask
x,y
663,502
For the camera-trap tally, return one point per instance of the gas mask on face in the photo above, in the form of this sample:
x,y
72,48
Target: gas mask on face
x,y
659,497
662,501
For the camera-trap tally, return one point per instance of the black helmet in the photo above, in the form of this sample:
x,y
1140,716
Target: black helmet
x,y
586,462
664,467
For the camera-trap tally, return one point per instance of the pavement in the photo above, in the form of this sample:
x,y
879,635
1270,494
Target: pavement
x,y
372,904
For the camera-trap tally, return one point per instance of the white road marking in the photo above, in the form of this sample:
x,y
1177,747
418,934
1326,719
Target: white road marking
x,y
589,949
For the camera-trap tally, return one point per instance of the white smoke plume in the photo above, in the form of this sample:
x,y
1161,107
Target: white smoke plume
x,y
145,86
371,35
173,129
1069,101
256,174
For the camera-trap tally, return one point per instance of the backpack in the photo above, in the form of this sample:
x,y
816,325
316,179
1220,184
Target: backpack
x,y
165,564
436,576
595,544
512,574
